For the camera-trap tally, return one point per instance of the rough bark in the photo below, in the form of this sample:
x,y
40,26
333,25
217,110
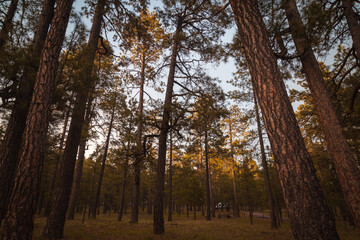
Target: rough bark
x,y
170,180
10,147
345,165
80,162
265,167
139,154
309,214
55,222
158,227
353,22
22,206
103,163
6,27
208,195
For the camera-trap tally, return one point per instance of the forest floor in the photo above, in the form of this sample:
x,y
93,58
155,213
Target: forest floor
x,y
107,227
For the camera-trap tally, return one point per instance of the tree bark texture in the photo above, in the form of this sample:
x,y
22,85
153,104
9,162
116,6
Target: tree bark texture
x,y
353,22
6,27
80,161
139,147
103,163
170,179
55,222
265,167
346,167
22,206
308,211
9,151
158,227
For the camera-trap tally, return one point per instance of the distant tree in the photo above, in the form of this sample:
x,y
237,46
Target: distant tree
x,y
27,180
309,214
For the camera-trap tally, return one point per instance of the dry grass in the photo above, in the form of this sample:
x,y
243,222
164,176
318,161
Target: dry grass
x,y
107,227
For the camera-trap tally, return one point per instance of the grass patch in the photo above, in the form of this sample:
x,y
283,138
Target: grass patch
x,y
107,227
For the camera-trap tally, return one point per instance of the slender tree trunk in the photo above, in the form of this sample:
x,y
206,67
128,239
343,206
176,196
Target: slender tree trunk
x,y
21,209
345,165
170,180
55,222
308,211
158,227
80,162
126,166
208,199
6,27
353,22
266,171
236,207
9,149
103,163
139,153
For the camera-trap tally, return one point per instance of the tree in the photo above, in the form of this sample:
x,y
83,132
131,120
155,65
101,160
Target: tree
x,y
352,19
9,149
6,27
308,212
55,222
344,161
27,180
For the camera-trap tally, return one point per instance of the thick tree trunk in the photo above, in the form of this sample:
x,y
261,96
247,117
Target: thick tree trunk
x,y
308,211
158,227
55,222
265,167
170,180
353,22
21,209
103,163
345,165
139,153
6,27
208,195
10,147
80,161
236,206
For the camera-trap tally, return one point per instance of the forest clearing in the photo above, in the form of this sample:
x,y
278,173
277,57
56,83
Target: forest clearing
x,y
139,115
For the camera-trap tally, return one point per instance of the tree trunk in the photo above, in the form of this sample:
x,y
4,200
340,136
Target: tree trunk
x,y
353,22
9,150
236,207
21,209
139,148
345,165
170,180
208,204
6,27
80,162
55,222
103,163
126,166
308,212
266,171
158,227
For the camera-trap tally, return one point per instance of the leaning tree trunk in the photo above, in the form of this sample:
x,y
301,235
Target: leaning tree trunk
x,y
55,222
308,211
346,167
103,163
353,22
158,227
6,27
80,162
9,151
266,171
170,180
208,195
19,219
139,148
